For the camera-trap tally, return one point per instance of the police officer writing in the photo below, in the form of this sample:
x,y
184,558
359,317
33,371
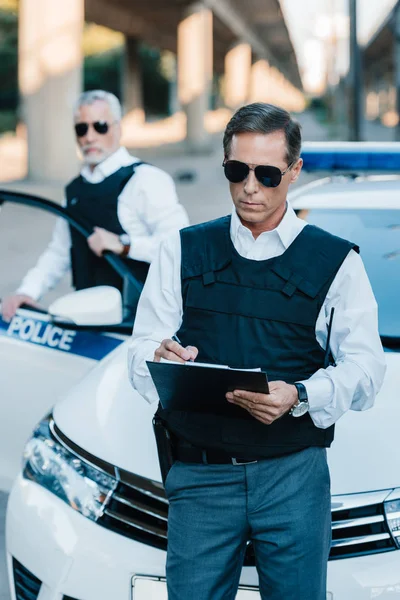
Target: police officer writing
x,y
257,289
129,205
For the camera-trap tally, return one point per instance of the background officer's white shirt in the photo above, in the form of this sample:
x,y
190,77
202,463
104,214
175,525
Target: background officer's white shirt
x,y
148,210
355,343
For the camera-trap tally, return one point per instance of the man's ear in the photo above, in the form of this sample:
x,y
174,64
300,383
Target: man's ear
x,y
296,170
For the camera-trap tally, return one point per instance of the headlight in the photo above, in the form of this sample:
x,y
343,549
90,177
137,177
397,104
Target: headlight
x,y
86,489
392,512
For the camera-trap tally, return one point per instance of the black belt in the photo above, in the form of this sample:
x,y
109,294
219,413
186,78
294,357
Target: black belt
x,y
191,454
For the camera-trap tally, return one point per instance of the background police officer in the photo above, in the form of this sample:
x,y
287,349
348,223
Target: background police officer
x,y
129,205
257,289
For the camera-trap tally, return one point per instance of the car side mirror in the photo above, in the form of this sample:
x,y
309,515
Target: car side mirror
x,y
101,305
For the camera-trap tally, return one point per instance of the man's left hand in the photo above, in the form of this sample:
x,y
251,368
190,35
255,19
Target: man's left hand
x,y
102,240
266,408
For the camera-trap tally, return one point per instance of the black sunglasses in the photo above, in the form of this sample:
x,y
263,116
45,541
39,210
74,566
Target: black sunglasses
x,y
101,127
268,176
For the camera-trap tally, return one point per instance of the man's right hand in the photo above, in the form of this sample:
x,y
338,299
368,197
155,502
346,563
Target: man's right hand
x,y
171,350
11,304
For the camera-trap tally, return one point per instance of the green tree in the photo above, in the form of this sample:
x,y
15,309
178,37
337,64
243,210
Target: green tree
x,y
105,71
155,84
8,60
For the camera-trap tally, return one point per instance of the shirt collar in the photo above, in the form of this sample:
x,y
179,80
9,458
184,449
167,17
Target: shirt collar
x,y
287,230
120,158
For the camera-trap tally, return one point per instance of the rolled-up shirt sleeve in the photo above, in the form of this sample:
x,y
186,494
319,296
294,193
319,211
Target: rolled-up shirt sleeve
x,y
150,211
158,316
355,345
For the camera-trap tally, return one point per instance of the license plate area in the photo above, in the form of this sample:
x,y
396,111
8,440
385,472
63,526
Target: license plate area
x,y
145,587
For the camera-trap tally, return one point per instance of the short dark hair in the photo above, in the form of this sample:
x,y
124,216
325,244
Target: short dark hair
x,y
260,117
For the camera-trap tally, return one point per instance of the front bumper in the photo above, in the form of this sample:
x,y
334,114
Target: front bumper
x,y
68,553
75,557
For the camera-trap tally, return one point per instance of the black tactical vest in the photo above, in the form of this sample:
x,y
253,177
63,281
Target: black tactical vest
x,y
247,314
96,204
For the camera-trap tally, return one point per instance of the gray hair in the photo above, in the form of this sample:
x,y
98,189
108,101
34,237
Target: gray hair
x,y
265,118
93,95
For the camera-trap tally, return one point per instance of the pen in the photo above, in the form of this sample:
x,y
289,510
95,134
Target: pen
x,y
176,339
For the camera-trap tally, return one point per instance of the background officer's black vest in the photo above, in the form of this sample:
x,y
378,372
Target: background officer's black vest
x,y
246,314
96,204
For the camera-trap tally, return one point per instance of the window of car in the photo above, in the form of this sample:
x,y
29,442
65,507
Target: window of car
x,y
377,233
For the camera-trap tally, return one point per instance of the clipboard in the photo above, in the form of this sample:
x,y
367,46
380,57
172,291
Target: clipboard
x,y
202,389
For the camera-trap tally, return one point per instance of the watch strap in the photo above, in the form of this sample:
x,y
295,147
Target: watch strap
x,y
125,250
302,397
126,243
301,392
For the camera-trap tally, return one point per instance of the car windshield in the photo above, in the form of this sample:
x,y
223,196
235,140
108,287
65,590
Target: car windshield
x,y
377,232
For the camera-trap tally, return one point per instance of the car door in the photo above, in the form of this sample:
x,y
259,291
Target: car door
x,y
40,358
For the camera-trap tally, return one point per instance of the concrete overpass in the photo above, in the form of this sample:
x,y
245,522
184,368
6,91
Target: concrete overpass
x,y
247,42
381,63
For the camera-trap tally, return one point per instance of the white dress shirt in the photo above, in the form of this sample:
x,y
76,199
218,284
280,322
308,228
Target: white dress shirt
x,y
355,344
148,210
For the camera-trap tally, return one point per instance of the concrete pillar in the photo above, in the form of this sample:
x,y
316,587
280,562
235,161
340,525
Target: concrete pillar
x,y
382,100
133,85
173,96
195,70
260,86
50,74
237,75
371,105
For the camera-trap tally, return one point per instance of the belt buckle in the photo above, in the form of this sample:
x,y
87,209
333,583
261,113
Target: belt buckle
x,y
242,461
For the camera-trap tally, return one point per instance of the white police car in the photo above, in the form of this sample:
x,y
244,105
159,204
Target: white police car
x,y
87,515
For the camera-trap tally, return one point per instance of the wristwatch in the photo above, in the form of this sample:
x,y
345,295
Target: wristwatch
x,y
126,242
302,406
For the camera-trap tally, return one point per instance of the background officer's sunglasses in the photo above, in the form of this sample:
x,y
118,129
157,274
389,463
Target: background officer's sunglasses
x,y
268,176
101,127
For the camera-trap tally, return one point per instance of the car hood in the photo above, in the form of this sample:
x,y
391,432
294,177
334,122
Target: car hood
x,y
107,418
364,455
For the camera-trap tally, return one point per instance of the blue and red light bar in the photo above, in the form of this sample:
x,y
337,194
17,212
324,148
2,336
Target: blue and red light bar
x,y
351,156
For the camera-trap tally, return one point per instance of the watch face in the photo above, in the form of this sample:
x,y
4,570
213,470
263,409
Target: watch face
x,y
124,239
300,409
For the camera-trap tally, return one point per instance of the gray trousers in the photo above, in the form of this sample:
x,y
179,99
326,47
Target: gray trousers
x,y
281,504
